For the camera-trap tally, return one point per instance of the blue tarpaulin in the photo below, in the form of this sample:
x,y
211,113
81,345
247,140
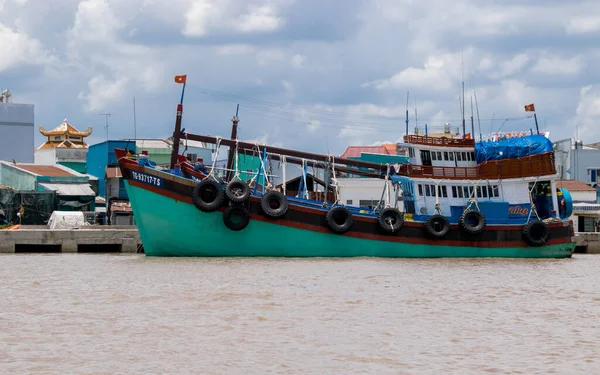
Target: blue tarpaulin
x,y
512,148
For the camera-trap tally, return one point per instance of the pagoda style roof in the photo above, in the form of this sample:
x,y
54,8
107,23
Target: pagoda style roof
x,y
65,128
63,144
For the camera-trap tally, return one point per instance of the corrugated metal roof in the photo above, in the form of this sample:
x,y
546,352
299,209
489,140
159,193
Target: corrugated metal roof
x,y
70,189
113,172
355,151
574,185
45,170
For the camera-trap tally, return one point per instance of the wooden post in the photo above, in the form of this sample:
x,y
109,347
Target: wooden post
x,y
234,125
176,136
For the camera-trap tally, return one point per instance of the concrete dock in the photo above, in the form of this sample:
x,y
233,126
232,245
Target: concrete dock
x,y
93,238
587,242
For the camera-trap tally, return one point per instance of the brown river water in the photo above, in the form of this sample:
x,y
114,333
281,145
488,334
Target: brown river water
x,y
131,314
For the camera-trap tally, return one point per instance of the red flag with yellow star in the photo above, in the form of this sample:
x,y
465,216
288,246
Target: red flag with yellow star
x,y
180,79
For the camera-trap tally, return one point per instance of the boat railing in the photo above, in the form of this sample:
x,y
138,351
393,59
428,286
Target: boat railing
x,y
439,141
529,166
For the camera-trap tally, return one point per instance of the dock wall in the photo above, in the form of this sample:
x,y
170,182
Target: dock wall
x,y
124,239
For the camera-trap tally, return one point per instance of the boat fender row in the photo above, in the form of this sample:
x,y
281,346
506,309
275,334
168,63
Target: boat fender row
x,y
471,221
536,233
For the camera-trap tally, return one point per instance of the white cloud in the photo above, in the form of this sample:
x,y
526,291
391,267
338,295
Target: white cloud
x,y
102,91
558,65
259,19
17,48
95,21
587,115
269,56
512,66
206,17
235,49
583,25
298,61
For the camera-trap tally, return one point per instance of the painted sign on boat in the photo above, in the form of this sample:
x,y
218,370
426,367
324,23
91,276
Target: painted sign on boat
x,y
147,179
518,210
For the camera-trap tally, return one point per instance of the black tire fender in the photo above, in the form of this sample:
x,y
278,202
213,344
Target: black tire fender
x,y
236,218
339,219
208,195
237,191
390,220
472,221
274,204
437,226
536,233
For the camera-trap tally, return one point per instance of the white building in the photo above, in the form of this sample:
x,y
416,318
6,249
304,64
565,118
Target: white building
x,y
365,192
586,210
16,129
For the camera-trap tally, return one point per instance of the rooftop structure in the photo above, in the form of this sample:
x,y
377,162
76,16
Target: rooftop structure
x,y
64,135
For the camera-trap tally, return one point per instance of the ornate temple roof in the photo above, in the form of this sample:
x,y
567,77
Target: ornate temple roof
x,y
65,128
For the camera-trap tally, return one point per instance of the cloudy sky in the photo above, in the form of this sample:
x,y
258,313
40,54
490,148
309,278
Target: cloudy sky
x,y
308,74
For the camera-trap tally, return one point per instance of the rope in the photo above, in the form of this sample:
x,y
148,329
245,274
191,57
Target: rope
x,y
533,208
305,190
212,171
472,200
236,176
262,164
335,182
283,161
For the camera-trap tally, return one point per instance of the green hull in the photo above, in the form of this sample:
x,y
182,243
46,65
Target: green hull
x,y
174,228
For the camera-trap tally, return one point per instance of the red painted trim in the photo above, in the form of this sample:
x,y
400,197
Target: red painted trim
x,y
316,228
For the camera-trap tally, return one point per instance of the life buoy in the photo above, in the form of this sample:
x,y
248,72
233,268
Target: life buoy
x,y
236,217
390,220
274,204
536,233
437,226
472,222
339,219
208,195
237,191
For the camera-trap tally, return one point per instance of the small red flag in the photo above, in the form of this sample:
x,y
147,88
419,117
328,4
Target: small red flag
x,y
181,78
530,108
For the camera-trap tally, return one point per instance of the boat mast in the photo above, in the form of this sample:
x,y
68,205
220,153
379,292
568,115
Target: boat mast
x,y
407,112
234,127
177,132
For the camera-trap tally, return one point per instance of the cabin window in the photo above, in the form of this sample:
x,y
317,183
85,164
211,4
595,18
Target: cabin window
x,y
57,137
433,193
444,192
349,202
433,156
439,153
464,156
427,191
494,191
454,195
445,155
420,190
458,158
473,156
411,152
370,204
451,154
468,190
484,191
478,191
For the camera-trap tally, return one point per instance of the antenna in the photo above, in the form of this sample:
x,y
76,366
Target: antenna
x,y
106,116
407,112
416,118
478,119
462,73
472,123
134,122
